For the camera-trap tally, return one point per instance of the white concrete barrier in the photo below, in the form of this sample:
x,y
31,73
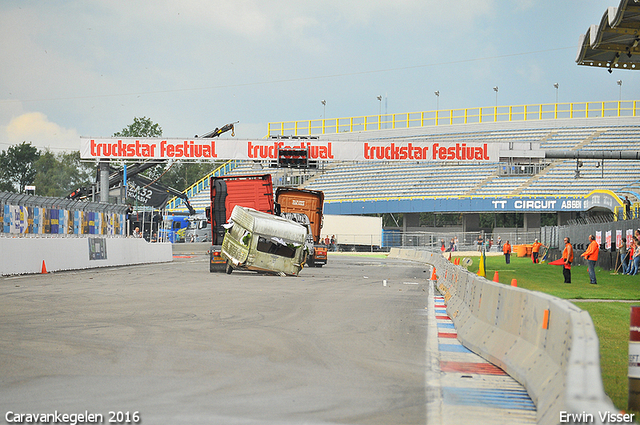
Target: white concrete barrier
x,y
25,255
547,344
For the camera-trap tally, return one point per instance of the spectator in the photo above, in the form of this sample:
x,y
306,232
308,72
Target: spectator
x,y
499,243
635,265
624,255
591,255
455,243
326,241
136,233
627,208
630,251
333,243
452,245
506,250
479,243
567,256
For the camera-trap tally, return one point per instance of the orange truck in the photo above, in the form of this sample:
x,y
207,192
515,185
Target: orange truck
x,y
305,207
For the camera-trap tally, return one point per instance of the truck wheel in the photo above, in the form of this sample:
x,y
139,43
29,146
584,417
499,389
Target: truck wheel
x,y
229,268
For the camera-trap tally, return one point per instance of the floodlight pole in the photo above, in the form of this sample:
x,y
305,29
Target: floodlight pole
x,y
619,82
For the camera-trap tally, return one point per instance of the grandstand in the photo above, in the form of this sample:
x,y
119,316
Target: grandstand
x,y
523,172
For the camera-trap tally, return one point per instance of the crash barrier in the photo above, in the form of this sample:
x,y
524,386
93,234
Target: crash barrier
x,y
30,215
547,344
38,255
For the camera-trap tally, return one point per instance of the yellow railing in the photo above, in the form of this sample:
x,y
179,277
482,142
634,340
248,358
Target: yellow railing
x,y
543,111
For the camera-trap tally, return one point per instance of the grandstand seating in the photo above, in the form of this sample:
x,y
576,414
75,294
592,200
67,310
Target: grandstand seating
x,y
351,181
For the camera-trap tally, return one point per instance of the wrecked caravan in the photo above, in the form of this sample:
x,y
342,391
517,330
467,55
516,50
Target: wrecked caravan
x,y
263,242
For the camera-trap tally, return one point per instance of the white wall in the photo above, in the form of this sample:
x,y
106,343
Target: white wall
x,y
353,229
25,255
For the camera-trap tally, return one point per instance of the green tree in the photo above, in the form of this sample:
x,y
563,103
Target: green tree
x,y
60,174
180,175
16,167
141,127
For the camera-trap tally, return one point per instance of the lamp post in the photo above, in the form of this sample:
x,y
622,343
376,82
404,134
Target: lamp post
x,y
379,104
324,108
619,82
556,85
495,89
437,93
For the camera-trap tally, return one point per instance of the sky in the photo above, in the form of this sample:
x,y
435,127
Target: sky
x,y
88,67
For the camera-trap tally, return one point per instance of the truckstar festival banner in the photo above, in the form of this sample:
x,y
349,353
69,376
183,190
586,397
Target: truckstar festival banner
x,y
319,150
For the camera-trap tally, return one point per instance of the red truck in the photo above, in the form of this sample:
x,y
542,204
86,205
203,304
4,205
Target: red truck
x,y
252,191
305,207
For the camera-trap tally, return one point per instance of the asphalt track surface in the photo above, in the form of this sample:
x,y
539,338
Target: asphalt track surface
x,y
180,345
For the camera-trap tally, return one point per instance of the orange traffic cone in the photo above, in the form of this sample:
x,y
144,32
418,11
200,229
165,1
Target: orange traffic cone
x,y
495,277
433,274
514,282
44,268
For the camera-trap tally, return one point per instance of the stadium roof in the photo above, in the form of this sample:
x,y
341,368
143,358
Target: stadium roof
x,y
615,42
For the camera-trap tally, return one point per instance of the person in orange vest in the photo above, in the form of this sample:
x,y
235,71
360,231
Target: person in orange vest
x,y
535,251
567,256
506,249
591,255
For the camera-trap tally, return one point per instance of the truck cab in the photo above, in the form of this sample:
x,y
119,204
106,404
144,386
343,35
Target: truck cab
x,y
198,229
173,227
305,207
226,192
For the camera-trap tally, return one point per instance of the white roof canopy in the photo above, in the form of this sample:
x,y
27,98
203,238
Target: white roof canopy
x,y
614,44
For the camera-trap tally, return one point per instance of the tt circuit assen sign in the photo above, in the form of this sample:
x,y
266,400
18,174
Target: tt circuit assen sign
x,y
319,150
600,199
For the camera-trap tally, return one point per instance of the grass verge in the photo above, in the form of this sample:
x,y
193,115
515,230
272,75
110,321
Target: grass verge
x,y
610,318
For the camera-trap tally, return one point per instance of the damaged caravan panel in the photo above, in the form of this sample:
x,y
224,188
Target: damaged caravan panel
x,y
263,242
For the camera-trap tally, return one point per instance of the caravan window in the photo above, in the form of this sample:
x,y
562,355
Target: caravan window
x,y
275,248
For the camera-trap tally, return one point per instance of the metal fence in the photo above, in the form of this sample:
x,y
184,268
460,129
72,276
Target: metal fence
x,y
609,235
435,240
23,215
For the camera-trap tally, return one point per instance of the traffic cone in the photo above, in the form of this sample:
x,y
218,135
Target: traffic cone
x,y
495,277
514,282
433,274
44,268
